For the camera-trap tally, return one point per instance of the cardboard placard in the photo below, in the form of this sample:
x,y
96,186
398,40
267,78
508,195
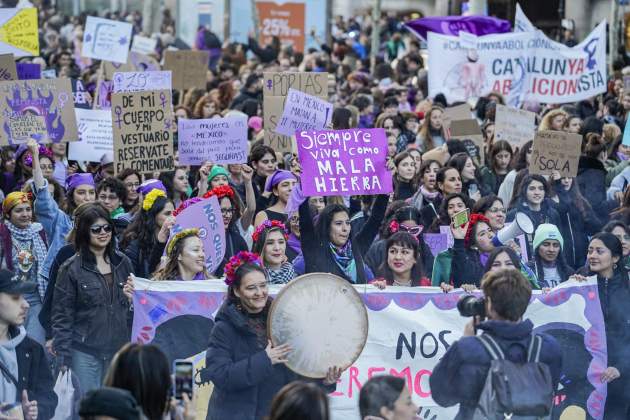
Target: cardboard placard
x,y
469,132
142,81
8,70
29,71
344,162
276,87
143,131
106,39
555,151
49,98
304,112
19,34
26,126
189,68
95,135
216,140
455,113
516,126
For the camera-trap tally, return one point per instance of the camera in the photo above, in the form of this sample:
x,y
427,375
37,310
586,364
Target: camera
x,y
472,306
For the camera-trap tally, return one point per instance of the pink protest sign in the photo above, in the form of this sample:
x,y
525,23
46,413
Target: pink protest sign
x,y
205,215
216,140
344,162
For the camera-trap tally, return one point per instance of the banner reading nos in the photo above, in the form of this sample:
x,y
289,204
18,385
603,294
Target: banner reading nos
x,y
410,329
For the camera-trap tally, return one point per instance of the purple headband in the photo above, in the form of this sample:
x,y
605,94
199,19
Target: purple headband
x,y
150,184
75,180
276,178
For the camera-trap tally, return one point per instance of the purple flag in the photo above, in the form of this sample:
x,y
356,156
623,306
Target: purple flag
x,y
29,71
451,25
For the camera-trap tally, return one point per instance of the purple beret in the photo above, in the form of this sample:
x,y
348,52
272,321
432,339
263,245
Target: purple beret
x,y
150,184
277,177
75,180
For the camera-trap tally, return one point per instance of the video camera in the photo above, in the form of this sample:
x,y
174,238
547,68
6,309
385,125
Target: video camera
x,y
472,306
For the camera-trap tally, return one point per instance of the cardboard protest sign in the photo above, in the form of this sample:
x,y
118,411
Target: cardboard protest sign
x,y
189,68
304,112
143,131
135,62
216,140
344,162
23,127
95,135
8,70
555,151
29,71
275,90
18,32
205,216
143,45
455,113
469,132
410,330
283,20
50,99
516,126
139,81
82,98
106,39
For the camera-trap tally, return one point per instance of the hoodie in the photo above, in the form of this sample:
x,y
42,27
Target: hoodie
x,y
8,358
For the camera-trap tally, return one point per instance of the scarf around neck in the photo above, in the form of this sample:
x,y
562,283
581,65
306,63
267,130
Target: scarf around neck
x,y
428,194
27,241
345,260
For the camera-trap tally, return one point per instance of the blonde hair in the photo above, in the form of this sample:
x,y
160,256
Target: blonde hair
x,y
545,124
610,132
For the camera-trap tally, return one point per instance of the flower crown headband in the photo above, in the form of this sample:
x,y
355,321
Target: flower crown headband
x,y
474,219
220,192
179,236
270,224
236,262
149,199
43,151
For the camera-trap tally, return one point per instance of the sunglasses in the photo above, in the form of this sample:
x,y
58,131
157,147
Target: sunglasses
x,y
415,231
96,229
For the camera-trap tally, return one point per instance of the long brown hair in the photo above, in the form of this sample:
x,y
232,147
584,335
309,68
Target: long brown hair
x,y
425,130
170,271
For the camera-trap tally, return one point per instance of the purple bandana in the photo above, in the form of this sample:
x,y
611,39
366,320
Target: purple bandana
x,y
277,177
75,180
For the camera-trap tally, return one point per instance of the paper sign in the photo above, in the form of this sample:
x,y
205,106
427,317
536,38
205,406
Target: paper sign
x,y
437,242
469,133
49,74
18,32
29,71
555,151
104,90
516,126
8,70
135,62
95,135
143,45
304,112
189,68
142,81
455,113
106,39
143,127
205,216
344,162
467,40
275,90
23,127
216,140
50,99
82,98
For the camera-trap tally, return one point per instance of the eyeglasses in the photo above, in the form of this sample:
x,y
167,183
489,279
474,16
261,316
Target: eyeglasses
x,y
47,167
496,210
96,229
227,212
107,197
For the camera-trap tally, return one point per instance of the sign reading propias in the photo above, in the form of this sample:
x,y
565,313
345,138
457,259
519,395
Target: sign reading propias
x,y
143,131
555,151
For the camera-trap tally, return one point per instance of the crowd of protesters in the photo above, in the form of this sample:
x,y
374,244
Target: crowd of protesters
x,y
73,232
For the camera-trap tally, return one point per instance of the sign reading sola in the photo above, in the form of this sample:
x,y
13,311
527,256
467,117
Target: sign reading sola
x,y
523,65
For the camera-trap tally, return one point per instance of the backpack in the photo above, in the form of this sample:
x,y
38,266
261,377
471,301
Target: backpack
x,y
514,390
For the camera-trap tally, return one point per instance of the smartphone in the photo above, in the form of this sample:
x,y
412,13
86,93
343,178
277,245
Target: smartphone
x,y
183,372
472,189
460,218
13,410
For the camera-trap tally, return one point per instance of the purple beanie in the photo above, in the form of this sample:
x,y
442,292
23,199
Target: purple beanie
x,y
277,177
75,180
150,184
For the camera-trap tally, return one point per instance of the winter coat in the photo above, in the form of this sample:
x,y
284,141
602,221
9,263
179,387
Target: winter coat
x,y
65,253
591,178
442,268
318,256
460,375
491,182
87,315
547,214
244,379
144,261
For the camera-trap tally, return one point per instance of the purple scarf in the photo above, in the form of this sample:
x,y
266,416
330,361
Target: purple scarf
x,y
294,243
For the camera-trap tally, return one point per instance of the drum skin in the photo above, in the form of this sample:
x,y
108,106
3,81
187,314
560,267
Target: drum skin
x,y
324,320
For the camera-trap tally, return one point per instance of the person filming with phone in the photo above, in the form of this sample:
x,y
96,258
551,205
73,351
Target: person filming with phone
x,y
525,365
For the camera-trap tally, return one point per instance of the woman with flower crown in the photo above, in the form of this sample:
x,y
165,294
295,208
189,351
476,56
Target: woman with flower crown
x,y
245,368
270,242
186,259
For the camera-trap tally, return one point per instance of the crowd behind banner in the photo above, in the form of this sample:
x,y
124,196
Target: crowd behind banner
x,y
177,165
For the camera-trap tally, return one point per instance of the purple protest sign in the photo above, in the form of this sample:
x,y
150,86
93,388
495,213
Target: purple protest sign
x,y
205,215
29,71
451,25
344,162
216,140
437,242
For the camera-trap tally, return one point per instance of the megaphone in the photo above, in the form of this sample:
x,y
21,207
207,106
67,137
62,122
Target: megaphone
x,y
521,224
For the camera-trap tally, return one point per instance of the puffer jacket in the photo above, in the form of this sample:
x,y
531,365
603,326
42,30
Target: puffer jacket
x,y
86,315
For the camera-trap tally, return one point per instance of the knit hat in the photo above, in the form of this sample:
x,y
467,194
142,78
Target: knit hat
x,y
216,171
149,185
545,232
111,402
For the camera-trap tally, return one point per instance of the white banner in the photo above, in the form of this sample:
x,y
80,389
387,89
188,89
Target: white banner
x,y
409,331
521,66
